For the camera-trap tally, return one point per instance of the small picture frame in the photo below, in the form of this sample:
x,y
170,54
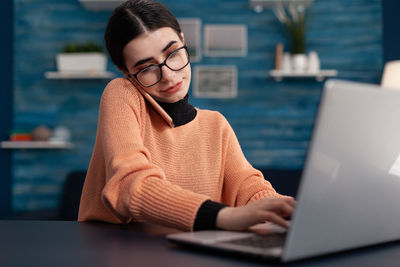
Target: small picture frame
x,y
225,40
215,82
191,28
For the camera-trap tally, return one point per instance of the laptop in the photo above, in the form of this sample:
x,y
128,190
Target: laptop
x,y
350,187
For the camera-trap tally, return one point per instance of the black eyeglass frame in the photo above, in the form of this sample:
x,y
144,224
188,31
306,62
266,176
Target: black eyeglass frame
x,y
164,63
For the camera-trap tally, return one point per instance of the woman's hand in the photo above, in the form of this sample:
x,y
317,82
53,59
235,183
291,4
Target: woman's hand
x,y
271,209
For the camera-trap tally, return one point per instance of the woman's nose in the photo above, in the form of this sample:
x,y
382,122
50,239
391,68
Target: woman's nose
x,y
167,73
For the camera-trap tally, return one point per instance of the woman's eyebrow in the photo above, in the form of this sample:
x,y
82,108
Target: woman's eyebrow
x,y
168,45
140,62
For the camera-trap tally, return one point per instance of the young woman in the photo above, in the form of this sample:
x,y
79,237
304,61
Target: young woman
x,y
156,157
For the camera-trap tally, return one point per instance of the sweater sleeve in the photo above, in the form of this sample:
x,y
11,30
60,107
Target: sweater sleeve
x,y
206,218
136,188
243,183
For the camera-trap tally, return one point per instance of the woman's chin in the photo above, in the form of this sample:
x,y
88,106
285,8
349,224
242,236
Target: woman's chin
x,y
174,97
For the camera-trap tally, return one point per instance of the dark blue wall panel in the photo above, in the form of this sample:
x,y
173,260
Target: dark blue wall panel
x,y
391,30
273,121
6,94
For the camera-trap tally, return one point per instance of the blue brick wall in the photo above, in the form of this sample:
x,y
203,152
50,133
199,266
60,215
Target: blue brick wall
x,y
273,121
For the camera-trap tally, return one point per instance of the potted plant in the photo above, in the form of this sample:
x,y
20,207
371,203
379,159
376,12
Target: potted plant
x,y
81,57
294,20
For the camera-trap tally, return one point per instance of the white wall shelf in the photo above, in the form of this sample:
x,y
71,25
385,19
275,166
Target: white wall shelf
x,y
100,5
36,145
80,75
279,75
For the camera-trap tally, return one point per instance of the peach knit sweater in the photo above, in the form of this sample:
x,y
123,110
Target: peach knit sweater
x,y
144,170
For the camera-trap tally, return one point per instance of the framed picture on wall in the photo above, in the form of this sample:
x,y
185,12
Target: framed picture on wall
x,y
191,30
225,40
215,81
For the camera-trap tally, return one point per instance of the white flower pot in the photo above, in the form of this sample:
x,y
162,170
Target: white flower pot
x,y
299,63
81,62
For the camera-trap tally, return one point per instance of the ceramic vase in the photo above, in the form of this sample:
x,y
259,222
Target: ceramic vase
x,y
286,63
299,63
313,62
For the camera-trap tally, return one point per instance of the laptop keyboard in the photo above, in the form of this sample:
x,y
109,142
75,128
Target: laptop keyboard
x,y
260,241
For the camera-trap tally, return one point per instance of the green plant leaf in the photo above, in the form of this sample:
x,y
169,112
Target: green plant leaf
x,y
89,46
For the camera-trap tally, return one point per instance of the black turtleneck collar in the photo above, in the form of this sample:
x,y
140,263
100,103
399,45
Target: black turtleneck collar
x,y
181,112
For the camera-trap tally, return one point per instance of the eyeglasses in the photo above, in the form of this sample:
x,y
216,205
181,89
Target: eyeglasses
x,y
152,74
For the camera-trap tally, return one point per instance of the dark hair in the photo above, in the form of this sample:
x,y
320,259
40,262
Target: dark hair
x,y
132,18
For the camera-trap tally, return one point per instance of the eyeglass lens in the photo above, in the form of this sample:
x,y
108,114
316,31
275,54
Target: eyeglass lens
x,y
151,75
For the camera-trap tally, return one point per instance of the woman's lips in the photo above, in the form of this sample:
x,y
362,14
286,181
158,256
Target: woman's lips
x,y
173,88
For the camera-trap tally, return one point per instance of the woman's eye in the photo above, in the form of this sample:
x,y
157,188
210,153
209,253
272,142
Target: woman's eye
x,y
147,69
173,54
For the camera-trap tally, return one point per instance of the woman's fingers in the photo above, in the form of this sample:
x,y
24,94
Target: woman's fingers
x,y
274,218
270,209
279,206
289,200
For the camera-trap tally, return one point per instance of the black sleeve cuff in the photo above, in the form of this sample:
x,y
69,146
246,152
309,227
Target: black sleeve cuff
x,y
206,218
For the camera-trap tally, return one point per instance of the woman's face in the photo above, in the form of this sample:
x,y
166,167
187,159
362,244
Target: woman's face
x,y
153,48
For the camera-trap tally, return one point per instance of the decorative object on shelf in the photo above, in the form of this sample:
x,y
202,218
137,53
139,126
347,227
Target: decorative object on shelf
x,y
81,58
286,68
41,133
260,5
20,136
297,64
286,63
215,81
294,20
40,138
61,133
314,64
278,56
81,61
